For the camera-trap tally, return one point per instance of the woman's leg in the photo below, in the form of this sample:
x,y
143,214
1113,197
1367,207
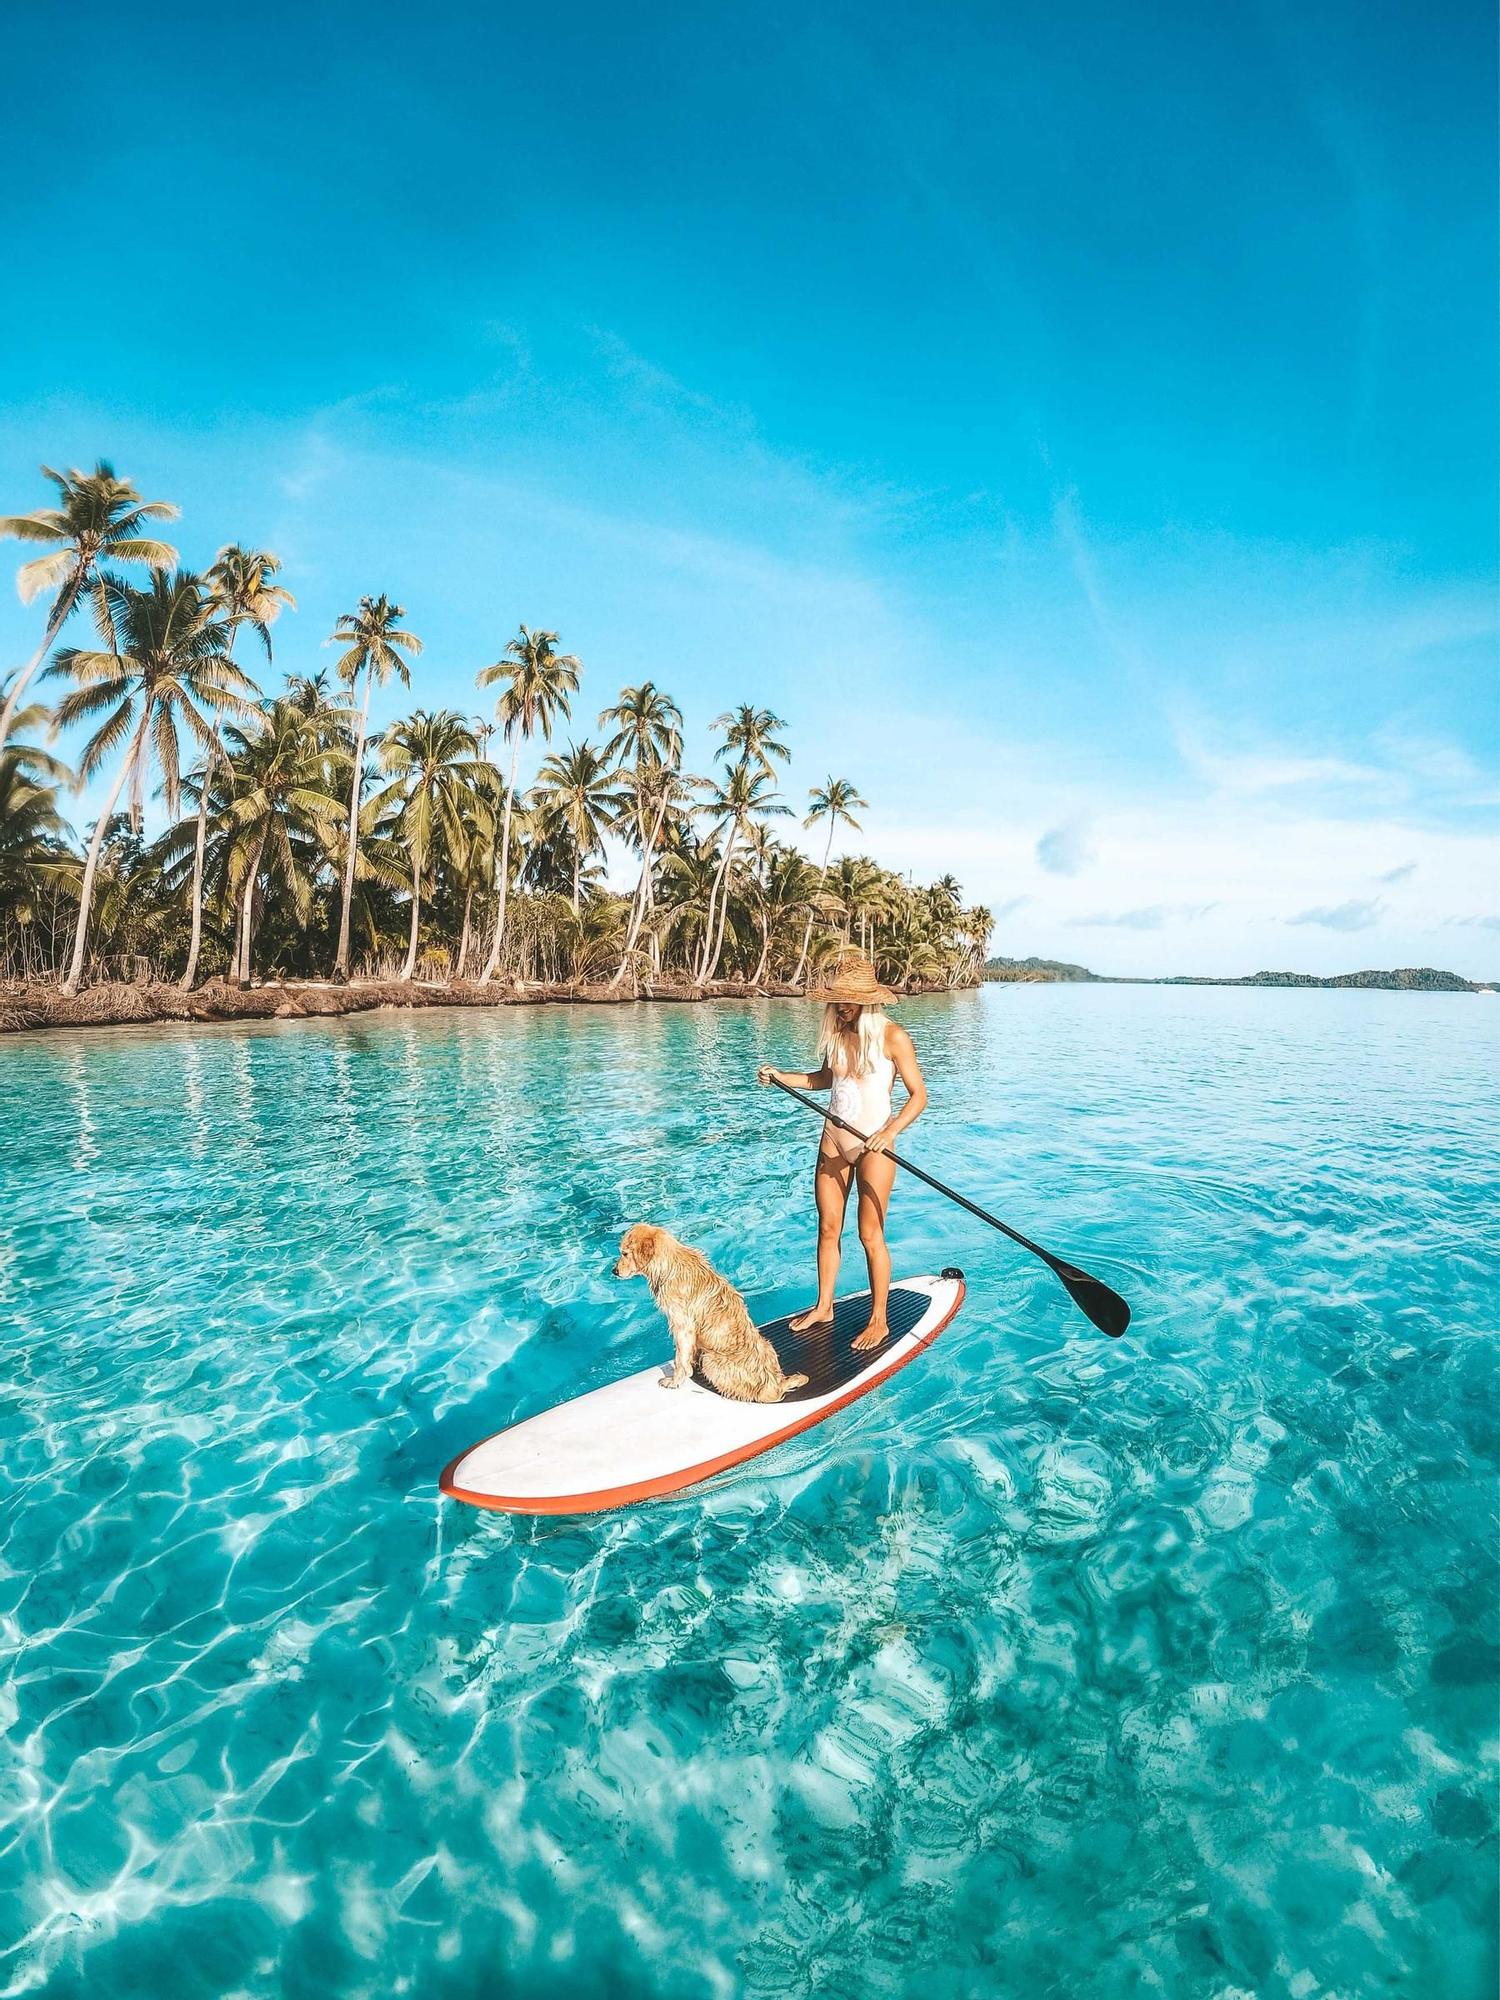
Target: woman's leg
x,y
831,1190
876,1175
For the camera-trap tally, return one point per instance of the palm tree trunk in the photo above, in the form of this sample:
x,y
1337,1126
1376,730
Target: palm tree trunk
x,y
416,918
341,962
797,976
91,865
701,971
247,916
504,883
463,935
765,948
700,956
67,597
577,866
642,893
185,984
807,934
711,964
723,920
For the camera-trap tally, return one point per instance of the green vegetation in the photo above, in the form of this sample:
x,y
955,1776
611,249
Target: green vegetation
x,y
301,845
1407,979
1029,971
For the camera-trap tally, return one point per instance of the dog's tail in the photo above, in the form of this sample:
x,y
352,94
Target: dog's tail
x,y
793,1382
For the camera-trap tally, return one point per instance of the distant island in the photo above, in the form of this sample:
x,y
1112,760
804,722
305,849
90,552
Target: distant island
x,y
1404,979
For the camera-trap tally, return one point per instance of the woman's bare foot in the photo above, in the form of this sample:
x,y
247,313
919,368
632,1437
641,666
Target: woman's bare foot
x,y
873,1336
818,1315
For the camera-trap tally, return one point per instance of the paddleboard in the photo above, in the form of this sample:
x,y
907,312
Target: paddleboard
x,y
634,1440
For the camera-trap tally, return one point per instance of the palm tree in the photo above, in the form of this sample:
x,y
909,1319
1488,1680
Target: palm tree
x,y
434,757
743,794
311,694
279,815
750,734
540,682
374,645
474,844
99,518
37,766
242,591
784,883
689,872
974,927
647,739
854,885
35,850
834,802
647,725
656,792
165,661
947,896
579,788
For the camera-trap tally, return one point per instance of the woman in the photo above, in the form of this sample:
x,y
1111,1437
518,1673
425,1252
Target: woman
x,y
862,1053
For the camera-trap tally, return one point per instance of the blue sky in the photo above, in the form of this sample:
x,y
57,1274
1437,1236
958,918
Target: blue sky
x,y
1080,424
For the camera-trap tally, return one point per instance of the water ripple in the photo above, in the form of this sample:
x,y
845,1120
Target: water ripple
x,y
1059,1667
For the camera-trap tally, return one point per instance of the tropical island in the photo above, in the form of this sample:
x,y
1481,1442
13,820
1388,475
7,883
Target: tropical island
x,y
1405,979
311,864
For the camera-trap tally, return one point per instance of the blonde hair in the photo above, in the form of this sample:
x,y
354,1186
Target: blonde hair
x,y
869,1047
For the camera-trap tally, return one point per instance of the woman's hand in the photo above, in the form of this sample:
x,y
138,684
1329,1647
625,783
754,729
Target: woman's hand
x,y
766,1075
880,1142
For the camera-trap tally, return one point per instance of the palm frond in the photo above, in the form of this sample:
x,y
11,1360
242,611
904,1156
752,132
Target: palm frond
x,y
86,664
43,526
44,573
86,701
141,549
105,739
164,736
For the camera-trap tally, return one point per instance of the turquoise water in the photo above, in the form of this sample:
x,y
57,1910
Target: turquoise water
x,y
1059,1667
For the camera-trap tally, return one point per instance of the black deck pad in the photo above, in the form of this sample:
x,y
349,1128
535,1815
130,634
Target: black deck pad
x,y
825,1354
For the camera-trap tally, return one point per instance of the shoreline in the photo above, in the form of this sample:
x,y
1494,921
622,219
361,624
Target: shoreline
x,y
35,1009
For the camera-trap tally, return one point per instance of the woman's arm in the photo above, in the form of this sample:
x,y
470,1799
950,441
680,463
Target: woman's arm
x,y
898,1046
799,1079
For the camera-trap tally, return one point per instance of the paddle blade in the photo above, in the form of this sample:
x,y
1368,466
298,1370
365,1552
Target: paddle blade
x,y
1094,1300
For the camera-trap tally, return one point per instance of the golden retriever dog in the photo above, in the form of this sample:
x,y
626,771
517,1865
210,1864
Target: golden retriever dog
x,y
709,1324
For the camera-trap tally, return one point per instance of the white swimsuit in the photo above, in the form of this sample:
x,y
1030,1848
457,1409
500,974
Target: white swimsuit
x,y
863,1101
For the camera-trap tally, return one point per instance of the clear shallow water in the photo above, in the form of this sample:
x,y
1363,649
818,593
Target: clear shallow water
x,y
1060,1666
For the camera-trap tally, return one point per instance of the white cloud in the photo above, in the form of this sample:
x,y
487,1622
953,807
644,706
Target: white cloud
x,y
1351,916
1153,918
1253,773
1150,919
661,532
1435,760
1222,873
1065,850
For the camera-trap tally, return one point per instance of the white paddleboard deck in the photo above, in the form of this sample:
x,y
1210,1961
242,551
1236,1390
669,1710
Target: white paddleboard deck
x,y
635,1440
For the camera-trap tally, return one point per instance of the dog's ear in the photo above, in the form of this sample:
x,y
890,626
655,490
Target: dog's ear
x,y
638,1245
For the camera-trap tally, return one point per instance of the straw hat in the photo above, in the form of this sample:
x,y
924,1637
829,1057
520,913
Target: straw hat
x,y
853,981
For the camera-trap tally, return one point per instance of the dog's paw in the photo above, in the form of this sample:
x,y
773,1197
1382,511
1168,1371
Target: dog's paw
x,y
669,1381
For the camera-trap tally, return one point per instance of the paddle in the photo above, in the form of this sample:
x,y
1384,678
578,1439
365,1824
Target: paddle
x,y
1094,1300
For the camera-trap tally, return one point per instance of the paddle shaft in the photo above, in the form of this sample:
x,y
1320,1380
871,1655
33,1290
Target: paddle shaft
x,y
1104,1307
921,1173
